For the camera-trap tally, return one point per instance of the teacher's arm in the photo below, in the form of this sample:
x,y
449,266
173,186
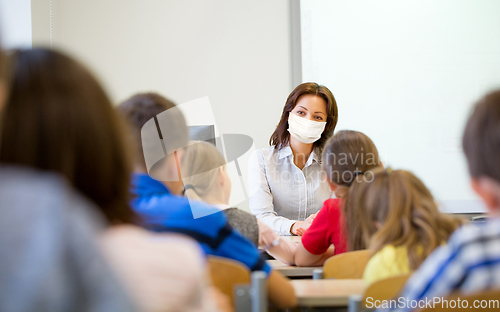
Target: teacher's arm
x,y
261,198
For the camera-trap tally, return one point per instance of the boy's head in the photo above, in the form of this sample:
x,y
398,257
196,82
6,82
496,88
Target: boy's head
x,y
481,144
158,128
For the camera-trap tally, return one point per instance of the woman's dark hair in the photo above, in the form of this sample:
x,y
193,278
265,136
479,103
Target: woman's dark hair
x,y
280,137
58,118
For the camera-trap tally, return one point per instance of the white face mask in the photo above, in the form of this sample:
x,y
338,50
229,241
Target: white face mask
x,y
304,130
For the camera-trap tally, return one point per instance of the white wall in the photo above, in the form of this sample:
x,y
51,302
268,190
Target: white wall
x,y
406,73
235,52
15,23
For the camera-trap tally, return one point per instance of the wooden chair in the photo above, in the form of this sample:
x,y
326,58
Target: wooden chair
x,y
227,273
380,290
490,300
386,289
348,265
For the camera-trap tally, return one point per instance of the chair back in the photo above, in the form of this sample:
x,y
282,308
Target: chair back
x,y
348,265
385,289
226,273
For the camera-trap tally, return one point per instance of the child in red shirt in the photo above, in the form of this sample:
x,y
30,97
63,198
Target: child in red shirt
x,y
328,228
347,156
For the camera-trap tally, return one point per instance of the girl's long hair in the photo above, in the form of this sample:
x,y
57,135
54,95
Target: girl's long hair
x,y
346,157
395,208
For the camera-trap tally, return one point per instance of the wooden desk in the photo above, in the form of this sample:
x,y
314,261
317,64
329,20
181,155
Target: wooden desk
x,y
293,239
292,271
327,292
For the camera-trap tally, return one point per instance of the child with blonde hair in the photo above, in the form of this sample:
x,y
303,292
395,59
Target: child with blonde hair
x,y
204,174
470,262
396,217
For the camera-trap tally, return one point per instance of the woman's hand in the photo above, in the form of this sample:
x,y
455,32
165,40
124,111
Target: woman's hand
x,y
300,227
311,218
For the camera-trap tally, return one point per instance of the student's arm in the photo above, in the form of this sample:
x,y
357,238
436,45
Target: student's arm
x,y
305,258
280,291
314,248
284,251
261,199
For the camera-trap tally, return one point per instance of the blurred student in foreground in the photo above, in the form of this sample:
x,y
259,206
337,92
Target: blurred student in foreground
x,y
49,256
162,209
59,119
470,263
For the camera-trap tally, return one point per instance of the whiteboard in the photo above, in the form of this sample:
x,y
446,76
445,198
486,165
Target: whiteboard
x,y
406,73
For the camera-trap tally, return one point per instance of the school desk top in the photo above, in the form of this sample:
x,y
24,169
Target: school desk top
x,y
327,292
293,239
292,271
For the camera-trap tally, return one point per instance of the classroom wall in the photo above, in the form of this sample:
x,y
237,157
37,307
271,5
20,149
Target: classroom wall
x,y
418,66
15,23
238,53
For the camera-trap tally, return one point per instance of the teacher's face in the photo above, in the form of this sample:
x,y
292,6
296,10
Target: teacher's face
x,y
311,107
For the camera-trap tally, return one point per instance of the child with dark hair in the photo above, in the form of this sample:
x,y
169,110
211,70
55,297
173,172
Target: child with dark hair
x,y
346,156
157,183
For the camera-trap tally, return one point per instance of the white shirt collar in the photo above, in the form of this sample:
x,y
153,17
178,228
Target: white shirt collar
x,y
287,151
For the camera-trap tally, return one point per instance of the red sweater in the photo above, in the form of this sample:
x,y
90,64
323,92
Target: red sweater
x,y
327,228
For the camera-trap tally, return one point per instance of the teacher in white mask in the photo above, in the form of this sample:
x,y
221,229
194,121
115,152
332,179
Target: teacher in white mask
x,y
286,183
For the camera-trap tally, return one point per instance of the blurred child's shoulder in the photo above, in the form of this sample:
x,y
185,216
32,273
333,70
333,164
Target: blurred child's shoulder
x,y
479,232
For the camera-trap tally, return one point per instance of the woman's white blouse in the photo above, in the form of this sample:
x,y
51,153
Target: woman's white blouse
x,y
280,193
